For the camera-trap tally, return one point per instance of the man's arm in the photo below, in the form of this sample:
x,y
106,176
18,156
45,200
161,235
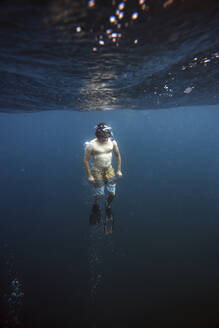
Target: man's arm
x,y
118,158
87,165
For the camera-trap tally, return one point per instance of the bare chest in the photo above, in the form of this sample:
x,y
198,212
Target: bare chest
x,y
99,149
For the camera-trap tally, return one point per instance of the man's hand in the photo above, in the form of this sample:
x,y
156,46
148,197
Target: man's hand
x,y
91,179
119,174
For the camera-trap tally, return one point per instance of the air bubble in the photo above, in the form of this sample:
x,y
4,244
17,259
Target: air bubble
x,y
121,15
121,6
101,42
78,29
188,90
112,19
135,15
109,31
91,3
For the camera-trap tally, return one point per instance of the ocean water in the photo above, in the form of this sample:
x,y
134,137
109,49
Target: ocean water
x,y
158,267
66,55
154,261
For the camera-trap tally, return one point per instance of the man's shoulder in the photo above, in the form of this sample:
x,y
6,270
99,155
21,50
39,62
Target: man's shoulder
x,y
93,141
89,145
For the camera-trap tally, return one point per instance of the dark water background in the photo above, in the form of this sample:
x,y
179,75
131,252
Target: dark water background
x,y
159,267
157,85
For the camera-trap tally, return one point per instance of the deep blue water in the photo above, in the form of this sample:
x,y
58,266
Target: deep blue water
x,y
156,82
158,268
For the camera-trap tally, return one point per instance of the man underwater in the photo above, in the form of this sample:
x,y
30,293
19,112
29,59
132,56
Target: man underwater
x,y
102,173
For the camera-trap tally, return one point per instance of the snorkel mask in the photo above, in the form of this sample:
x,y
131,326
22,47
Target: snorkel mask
x,y
103,131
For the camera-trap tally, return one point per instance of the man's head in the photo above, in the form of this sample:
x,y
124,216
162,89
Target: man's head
x,y
103,132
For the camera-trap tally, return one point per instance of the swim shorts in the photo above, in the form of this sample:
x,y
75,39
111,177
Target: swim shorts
x,y
104,177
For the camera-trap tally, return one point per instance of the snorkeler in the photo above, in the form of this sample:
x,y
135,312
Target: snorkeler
x,y
102,173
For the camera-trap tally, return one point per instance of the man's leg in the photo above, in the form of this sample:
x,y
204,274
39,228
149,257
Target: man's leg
x,y
110,186
109,200
111,189
98,186
98,191
96,201
98,194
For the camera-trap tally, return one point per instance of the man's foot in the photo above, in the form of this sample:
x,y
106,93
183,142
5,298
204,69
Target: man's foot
x,y
95,214
109,200
108,222
107,205
95,208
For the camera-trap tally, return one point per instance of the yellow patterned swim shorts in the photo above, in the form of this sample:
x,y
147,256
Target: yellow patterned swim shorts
x,y
104,177
103,174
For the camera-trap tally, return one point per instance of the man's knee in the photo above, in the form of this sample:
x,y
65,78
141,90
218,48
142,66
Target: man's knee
x,y
99,196
99,192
